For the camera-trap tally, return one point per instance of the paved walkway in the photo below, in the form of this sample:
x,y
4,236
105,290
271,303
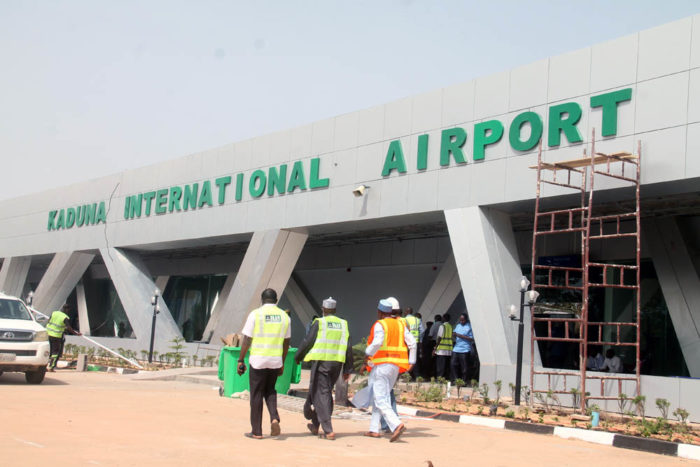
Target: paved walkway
x,y
111,419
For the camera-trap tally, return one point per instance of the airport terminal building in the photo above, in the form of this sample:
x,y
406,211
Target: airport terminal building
x,y
430,199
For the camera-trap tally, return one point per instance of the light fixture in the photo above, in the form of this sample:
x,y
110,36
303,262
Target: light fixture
x,y
513,312
524,284
532,296
513,315
359,191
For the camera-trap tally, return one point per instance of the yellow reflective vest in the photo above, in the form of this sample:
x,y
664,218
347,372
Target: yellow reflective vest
x,y
57,324
271,324
413,324
446,340
331,340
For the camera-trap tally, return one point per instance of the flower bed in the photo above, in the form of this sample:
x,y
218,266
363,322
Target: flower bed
x,y
434,397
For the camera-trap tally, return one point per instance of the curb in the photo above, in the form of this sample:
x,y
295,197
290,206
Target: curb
x,y
655,446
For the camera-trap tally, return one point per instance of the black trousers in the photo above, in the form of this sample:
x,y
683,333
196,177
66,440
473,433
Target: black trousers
x,y
460,366
319,403
442,366
262,386
56,347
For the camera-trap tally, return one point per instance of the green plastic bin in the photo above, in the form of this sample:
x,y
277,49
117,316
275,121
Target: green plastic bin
x,y
228,372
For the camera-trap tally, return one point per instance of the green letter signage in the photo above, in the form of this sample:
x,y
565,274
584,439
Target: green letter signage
x,y
485,133
452,141
563,118
516,129
609,103
394,159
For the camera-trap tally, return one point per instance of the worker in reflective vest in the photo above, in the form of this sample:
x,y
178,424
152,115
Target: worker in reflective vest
x,y
443,347
326,347
266,333
391,349
58,325
413,322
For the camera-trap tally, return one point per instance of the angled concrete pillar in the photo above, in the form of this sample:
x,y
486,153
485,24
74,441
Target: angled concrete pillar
x,y
216,310
301,304
443,292
268,262
162,283
135,287
13,275
679,283
486,256
60,279
83,317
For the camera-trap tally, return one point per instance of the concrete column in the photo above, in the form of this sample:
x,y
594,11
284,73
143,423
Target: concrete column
x,y
679,283
216,310
83,317
135,286
486,256
60,279
13,275
301,304
162,283
443,292
268,262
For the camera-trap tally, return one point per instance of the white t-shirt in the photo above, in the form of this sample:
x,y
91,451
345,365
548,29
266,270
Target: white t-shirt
x,y
260,362
614,364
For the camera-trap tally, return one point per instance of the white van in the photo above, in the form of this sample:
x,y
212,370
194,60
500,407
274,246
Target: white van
x,y
24,343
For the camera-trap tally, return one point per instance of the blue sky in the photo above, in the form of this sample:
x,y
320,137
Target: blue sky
x,y
90,88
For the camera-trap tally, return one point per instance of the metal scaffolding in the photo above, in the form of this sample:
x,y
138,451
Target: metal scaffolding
x,y
572,325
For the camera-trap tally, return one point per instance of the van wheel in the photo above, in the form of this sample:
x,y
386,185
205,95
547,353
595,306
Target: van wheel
x,y
35,377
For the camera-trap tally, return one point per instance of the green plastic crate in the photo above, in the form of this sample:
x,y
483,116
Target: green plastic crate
x,y
228,372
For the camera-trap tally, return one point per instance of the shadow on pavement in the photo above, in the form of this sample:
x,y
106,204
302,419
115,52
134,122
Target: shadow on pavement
x,y
17,379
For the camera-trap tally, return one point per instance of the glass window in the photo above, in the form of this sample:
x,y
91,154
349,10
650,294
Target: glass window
x,y
191,300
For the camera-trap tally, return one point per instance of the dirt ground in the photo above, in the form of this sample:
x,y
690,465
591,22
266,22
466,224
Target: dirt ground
x,y
108,419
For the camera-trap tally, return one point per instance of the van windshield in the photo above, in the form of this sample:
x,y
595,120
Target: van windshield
x,y
13,309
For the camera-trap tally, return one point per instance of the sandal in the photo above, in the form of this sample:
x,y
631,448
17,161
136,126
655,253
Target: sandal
x,y
372,434
313,429
329,436
252,436
397,432
275,428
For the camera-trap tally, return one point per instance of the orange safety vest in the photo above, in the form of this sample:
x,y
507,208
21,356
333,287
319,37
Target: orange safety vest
x,y
393,349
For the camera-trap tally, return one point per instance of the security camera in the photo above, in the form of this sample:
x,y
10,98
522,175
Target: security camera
x,y
359,191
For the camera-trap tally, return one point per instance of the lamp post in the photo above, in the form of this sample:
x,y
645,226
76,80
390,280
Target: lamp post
x,y
531,299
156,310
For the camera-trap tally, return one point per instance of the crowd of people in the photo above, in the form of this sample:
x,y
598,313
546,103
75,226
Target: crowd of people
x,y
397,344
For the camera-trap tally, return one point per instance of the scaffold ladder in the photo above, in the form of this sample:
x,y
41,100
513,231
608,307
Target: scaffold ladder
x,y
578,176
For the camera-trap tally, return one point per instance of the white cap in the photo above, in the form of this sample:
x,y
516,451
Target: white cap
x,y
329,303
394,303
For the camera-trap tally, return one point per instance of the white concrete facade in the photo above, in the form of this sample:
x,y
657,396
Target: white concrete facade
x,y
482,256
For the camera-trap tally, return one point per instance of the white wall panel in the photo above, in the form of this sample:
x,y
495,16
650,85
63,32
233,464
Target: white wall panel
x,y
664,49
426,112
322,137
347,131
692,153
528,85
662,103
694,96
491,95
569,75
458,104
663,155
371,125
614,63
397,118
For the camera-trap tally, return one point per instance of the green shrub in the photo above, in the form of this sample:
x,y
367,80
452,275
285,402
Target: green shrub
x,y
432,394
510,414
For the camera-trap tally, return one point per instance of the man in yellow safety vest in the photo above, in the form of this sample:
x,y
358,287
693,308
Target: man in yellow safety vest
x,y
58,325
266,333
326,346
443,348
